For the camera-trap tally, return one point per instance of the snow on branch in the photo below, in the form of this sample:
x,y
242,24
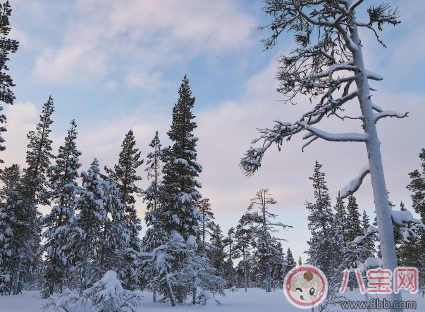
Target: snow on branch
x,y
370,230
370,263
333,137
251,161
373,76
354,184
346,66
384,114
377,108
406,224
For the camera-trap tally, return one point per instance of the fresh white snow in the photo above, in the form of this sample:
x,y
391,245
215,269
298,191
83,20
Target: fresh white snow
x,y
255,300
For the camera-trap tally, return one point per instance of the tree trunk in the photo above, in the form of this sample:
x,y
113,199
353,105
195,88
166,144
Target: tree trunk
x,y
383,212
154,293
16,278
266,242
244,271
170,293
193,291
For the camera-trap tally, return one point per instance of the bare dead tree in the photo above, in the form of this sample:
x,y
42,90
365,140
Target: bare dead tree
x,y
328,67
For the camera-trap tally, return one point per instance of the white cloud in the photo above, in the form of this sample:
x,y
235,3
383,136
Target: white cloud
x,y
141,37
72,63
144,80
21,118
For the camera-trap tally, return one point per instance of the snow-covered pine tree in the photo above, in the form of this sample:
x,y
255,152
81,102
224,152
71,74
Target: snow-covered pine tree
x,y
178,217
278,265
228,269
410,253
417,189
263,220
290,261
207,223
325,244
154,162
215,252
7,46
154,235
63,189
181,169
31,192
353,219
353,253
244,241
341,218
124,174
114,238
9,227
328,66
369,242
87,225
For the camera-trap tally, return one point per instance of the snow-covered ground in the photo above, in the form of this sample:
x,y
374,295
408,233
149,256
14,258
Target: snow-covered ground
x,y
255,300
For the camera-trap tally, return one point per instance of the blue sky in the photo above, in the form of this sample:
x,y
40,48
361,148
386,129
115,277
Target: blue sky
x,y
116,65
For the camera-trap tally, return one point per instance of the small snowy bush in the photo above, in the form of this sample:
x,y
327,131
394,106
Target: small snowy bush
x,y
106,295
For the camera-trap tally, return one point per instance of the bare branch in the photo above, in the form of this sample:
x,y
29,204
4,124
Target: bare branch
x,y
314,138
354,5
313,21
391,114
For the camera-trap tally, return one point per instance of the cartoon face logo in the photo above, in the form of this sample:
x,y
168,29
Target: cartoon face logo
x,y
305,286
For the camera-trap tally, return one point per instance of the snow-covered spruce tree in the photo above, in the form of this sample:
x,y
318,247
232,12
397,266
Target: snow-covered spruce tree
x,y
264,226
402,247
178,216
124,174
10,226
31,192
63,188
99,236
417,189
341,218
244,236
300,261
328,66
369,242
353,252
278,265
7,46
216,253
207,223
276,259
154,236
87,225
154,162
229,248
325,244
113,248
353,228
180,171
290,261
